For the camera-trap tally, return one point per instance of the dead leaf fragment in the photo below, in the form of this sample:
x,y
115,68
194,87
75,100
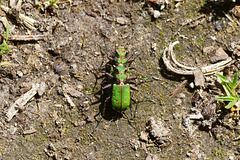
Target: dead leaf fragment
x,y
208,50
79,123
219,55
73,92
42,88
30,131
236,11
144,136
198,78
122,20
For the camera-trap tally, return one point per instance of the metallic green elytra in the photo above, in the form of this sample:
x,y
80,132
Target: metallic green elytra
x,y
121,97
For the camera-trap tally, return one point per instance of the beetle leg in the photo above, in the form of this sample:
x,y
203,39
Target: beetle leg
x,y
134,100
109,75
107,99
130,61
107,86
131,109
110,58
131,78
134,88
98,120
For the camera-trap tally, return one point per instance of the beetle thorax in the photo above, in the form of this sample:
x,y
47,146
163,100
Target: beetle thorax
x,y
121,75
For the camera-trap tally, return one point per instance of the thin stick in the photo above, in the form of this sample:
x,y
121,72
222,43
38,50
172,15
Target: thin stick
x,y
177,89
24,37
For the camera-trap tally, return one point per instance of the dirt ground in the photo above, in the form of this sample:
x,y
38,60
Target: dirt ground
x,y
61,120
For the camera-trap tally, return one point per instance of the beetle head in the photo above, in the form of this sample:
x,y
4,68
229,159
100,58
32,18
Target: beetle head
x,y
121,51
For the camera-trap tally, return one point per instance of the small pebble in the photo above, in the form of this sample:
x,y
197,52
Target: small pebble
x,y
150,11
213,38
149,157
42,88
208,50
238,47
154,46
236,11
230,157
19,73
97,53
156,14
191,85
143,136
178,102
122,20
80,87
52,147
91,118
12,130
155,157
182,95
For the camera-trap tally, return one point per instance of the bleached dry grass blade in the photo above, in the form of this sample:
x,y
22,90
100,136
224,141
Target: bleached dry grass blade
x,y
172,56
29,22
169,64
213,68
173,65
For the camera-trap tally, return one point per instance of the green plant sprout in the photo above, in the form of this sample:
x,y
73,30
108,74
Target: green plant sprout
x,y
230,89
4,47
52,2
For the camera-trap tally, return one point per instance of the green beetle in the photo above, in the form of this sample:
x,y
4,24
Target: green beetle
x,y
120,93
